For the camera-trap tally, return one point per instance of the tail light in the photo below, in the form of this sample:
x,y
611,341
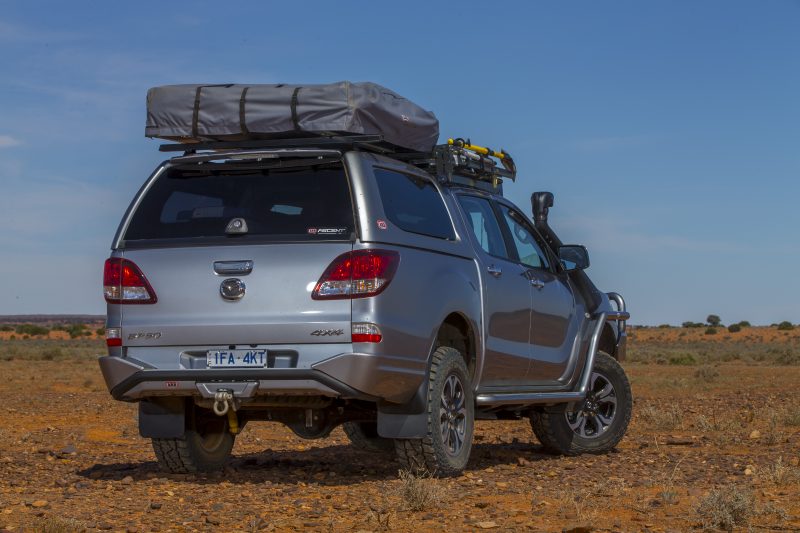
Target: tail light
x,y
113,337
124,283
366,332
357,274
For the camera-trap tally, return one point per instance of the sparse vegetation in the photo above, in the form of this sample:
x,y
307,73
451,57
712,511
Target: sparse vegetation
x,y
665,418
711,330
744,324
55,524
707,374
792,417
692,324
31,329
682,359
780,474
727,507
50,349
734,328
785,326
419,492
713,320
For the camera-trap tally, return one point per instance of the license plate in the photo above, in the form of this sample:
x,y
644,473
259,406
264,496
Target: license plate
x,y
236,358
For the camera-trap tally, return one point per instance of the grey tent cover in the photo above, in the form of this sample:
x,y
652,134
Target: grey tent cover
x,y
234,112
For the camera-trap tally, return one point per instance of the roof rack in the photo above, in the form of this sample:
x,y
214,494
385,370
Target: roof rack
x,y
460,161
369,142
457,161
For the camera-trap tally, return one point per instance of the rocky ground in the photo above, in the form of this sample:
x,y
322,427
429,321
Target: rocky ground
x,y
704,441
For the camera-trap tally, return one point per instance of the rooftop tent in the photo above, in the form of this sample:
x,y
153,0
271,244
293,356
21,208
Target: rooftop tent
x,y
194,113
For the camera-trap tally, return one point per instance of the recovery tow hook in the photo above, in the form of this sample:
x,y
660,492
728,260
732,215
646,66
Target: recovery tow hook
x,y
226,404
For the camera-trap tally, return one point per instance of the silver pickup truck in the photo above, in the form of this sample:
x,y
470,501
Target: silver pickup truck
x,y
329,282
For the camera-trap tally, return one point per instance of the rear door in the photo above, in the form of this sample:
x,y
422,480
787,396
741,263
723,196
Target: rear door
x,y
233,251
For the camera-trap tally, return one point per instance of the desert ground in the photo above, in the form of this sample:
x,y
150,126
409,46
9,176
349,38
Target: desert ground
x,y
714,444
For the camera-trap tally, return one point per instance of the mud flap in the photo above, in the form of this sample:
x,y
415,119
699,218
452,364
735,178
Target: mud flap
x,y
406,421
162,418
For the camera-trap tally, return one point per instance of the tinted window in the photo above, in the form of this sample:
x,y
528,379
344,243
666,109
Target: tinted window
x,y
305,204
413,204
484,225
525,243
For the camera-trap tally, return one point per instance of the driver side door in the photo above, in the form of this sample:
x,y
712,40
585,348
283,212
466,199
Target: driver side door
x,y
554,324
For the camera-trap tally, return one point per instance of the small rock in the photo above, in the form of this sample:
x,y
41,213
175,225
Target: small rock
x,y
748,472
155,505
39,504
482,505
105,527
794,461
211,520
488,524
69,450
755,434
127,480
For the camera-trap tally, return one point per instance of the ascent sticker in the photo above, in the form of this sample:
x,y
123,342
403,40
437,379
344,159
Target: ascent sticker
x,y
327,231
381,224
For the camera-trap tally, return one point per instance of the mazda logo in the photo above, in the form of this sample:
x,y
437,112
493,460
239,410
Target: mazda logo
x,y
232,289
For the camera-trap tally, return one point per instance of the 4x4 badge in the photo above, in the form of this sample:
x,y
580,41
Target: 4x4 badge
x,y
232,289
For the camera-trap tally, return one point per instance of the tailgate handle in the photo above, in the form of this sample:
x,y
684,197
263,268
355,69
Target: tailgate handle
x,y
233,268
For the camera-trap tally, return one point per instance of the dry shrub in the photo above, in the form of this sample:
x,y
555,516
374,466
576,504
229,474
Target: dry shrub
x,y
780,474
792,417
667,493
774,433
720,426
55,524
419,491
727,507
586,503
707,374
664,418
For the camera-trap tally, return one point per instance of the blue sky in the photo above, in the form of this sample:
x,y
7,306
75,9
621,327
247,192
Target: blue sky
x,y
668,131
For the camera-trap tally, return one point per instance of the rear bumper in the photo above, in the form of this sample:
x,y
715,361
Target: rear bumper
x,y
350,376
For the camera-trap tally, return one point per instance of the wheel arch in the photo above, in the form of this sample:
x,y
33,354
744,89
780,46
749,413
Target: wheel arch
x,y
608,341
457,332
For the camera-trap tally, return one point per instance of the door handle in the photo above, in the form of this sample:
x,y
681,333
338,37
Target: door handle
x,y
536,283
495,271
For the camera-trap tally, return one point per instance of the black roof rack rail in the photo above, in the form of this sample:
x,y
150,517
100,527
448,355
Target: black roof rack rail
x,y
369,142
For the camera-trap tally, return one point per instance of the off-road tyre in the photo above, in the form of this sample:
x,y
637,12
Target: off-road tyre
x,y
364,436
431,454
553,430
205,445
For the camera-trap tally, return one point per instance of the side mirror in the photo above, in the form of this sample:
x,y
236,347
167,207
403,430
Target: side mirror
x,y
573,257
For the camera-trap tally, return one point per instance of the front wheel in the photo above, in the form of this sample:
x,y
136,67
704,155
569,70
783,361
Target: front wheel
x,y
445,449
205,445
596,424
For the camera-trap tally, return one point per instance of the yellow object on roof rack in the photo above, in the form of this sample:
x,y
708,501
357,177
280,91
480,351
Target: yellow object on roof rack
x,y
461,143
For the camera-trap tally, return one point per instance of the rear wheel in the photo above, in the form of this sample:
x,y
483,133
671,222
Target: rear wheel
x,y
364,436
205,445
445,449
598,423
